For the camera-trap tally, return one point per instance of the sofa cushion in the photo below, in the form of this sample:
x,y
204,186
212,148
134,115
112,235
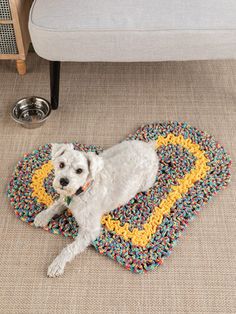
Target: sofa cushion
x,y
140,15
104,30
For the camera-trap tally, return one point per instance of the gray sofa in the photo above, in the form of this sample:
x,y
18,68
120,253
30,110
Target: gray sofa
x,y
131,30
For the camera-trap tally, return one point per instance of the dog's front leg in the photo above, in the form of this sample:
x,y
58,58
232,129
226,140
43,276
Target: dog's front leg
x,y
43,218
82,241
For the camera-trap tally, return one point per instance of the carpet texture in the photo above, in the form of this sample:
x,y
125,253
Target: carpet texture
x,y
100,104
139,234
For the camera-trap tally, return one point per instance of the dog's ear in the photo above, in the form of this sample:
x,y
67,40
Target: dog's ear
x,y
95,164
59,149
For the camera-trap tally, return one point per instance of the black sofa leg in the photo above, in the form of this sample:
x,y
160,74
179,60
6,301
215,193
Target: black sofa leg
x,y
54,83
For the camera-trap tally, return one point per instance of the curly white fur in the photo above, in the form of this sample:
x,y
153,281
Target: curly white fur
x,y
116,175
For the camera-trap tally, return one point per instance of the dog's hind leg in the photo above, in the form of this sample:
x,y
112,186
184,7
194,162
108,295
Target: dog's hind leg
x,y
82,241
43,218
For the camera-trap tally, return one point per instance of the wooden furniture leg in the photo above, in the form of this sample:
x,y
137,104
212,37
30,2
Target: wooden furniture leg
x,y
21,66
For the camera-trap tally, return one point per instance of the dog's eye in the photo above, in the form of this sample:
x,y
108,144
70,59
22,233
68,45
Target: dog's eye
x,y
61,165
79,171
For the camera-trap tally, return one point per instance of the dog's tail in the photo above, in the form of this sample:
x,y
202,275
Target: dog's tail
x,y
153,144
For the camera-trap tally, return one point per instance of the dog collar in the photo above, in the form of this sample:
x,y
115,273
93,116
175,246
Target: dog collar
x,y
82,189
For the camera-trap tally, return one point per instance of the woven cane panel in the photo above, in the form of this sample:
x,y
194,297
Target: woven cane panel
x,y
5,12
7,39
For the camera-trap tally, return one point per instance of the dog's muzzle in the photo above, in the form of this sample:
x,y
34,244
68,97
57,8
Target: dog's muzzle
x,y
68,199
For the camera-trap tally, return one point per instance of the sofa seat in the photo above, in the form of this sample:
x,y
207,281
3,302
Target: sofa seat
x,y
133,30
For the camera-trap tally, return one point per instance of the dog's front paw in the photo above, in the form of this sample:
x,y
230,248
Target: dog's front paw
x,y
42,219
56,269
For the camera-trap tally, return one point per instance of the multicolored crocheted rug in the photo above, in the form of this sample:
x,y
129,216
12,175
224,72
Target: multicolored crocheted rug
x,y
139,234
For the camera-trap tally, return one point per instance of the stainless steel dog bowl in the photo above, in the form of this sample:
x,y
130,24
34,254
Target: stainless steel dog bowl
x,y
31,112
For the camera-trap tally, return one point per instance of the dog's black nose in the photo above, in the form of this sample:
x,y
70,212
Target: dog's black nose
x,y
64,181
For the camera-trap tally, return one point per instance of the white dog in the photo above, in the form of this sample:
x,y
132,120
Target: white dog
x,y
91,185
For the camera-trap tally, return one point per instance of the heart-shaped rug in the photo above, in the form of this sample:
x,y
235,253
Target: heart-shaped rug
x,y
139,234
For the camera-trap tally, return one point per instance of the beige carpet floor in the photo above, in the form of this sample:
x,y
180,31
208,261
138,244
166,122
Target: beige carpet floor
x,y
101,104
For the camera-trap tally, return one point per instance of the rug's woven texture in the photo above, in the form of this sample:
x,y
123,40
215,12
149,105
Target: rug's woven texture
x,y
138,235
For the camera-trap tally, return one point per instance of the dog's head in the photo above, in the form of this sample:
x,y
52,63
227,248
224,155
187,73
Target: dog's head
x,y
73,168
